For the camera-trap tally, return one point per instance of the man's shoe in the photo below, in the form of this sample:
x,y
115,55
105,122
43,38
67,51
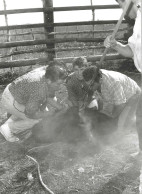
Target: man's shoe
x,y
7,134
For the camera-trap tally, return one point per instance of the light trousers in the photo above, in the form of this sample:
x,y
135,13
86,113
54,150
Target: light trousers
x,y
18,121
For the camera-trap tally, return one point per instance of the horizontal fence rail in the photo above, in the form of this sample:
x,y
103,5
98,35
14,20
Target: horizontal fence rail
x,y
44,41
41,25
39,50
71,8
64,33
50,35
40,61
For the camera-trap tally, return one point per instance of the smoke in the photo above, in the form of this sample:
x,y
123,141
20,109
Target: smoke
x,y
90,132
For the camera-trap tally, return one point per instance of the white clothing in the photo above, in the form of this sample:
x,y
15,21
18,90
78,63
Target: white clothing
x,y
135,42
18,121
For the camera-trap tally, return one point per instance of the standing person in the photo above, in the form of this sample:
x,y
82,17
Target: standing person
x,y
27,98
132,50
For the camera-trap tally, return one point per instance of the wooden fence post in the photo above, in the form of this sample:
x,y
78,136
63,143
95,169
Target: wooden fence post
x,y
49,18
93,19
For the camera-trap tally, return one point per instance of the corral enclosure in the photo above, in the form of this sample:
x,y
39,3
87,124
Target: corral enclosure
x,y
66,168
26,45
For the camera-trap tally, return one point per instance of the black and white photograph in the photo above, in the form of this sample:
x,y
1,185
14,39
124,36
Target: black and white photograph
x,y
70,97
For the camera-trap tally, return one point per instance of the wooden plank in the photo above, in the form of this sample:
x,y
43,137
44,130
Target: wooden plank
x,y
64,32
93,58
22,43
43,41
100,22
71,8
49,18
17,11
76,8
39,50
40,25
20,63
41,61
14,27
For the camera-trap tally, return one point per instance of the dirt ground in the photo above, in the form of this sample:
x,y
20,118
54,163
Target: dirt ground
x,y
105,167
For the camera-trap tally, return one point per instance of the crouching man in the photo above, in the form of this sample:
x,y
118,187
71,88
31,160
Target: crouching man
x,y
115,90
27,97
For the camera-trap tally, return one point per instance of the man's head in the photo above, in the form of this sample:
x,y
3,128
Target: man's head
x,y
55,75
92,76
80,63
57,63
132,13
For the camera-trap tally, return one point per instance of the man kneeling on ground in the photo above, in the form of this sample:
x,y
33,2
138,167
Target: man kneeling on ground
x,y
27,97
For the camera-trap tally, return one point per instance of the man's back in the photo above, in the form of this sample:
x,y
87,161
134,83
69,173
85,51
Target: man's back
x,y
32,83
117,88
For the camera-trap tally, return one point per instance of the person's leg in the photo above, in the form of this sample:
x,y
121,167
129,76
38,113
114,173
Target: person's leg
x,y
123,117
6,102
19,125
18,122
131,116
139,121
127,118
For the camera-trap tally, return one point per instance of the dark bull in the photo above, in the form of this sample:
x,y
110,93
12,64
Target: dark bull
x,y
69,127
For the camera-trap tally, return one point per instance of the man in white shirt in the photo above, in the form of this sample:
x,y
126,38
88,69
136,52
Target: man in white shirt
x,y
132,50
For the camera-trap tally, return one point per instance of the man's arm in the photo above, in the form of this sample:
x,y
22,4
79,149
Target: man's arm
x,y
36,109
33,111
124,50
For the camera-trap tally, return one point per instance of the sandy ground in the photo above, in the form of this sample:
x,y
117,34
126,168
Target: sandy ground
x,y
105,167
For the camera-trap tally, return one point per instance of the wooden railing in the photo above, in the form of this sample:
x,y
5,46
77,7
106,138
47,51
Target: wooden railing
x,y
48,30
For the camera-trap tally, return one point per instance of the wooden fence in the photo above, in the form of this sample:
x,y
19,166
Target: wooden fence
x,y
51,36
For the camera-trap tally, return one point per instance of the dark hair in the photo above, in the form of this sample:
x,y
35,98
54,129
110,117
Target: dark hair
x,y
56,63
79,61
92,73
54,73
120,0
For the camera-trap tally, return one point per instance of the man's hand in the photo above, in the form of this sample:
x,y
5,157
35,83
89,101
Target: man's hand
x,y
54,103
109,42
44,114
93,104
